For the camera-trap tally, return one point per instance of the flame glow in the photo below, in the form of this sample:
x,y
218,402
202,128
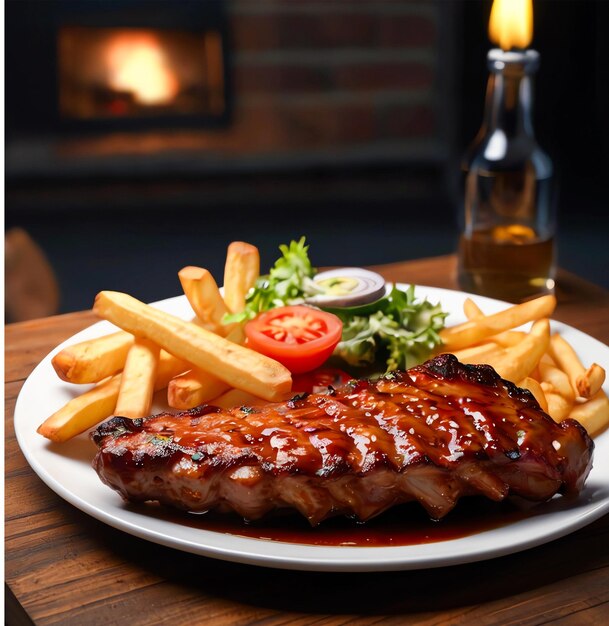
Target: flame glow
x,y
511,23
137,64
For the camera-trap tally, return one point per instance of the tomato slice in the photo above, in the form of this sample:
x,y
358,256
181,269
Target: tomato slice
x,y
300,337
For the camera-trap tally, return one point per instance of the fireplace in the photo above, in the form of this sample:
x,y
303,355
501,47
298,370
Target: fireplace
x,y
103,66
121,74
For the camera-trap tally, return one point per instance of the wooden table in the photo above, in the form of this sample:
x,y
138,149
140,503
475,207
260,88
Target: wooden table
x,y
64,567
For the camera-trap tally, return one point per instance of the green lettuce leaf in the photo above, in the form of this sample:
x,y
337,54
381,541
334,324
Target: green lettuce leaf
x,y
401,331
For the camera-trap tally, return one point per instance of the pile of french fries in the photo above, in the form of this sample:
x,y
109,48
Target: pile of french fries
x,y
203,360
538,360
193,362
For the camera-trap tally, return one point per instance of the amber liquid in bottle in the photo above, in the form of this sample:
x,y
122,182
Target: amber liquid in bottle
x,y
507,269
513,260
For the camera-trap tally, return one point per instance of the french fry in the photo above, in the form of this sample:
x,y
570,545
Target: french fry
x,y
591,381
546,358
509,338
93,360
567,360
137,380
593,414
472,310
95,405
204,297
193,388
82,412
557,388
557,381
196,386
559,407
477,330
241,270
506,339
168,367
520,360
236,365
535,388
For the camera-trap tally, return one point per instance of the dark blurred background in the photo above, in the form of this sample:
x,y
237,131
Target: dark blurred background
x,y
272,119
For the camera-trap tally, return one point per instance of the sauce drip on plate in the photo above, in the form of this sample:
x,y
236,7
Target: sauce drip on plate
x,y
404,525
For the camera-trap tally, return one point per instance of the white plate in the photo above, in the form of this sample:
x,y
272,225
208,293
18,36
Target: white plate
x,y
67,470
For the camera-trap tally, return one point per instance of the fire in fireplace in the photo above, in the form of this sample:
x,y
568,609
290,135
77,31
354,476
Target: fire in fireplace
x,y
127,72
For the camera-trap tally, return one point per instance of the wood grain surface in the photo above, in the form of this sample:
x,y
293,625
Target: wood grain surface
x,y
64,567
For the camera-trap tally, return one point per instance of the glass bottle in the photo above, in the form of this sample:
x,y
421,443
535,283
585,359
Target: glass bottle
x,y
507,247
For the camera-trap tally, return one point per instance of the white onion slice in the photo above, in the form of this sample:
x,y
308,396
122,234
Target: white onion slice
x,y
347,286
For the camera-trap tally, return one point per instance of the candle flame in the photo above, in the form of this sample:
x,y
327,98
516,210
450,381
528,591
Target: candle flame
x,y
511,23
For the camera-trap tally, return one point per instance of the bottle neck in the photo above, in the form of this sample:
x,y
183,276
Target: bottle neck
x,y
509,102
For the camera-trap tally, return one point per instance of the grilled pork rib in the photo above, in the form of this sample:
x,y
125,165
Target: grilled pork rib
x,y
434,433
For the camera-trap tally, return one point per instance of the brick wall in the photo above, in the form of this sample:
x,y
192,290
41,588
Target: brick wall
x,y
311,75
